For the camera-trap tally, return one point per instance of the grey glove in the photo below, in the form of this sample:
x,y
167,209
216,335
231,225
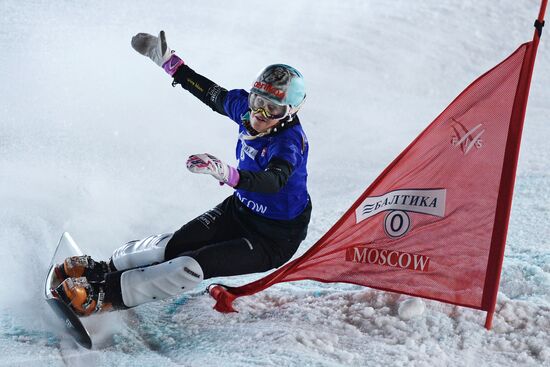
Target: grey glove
x,y
153,47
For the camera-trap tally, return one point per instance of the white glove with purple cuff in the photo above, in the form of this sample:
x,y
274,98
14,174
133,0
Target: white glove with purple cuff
x,y
206,163
157,50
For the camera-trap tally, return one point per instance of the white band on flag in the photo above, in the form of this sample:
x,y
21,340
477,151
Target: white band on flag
x,y
425,201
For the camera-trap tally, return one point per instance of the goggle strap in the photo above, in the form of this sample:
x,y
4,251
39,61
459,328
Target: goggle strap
x,y
267,116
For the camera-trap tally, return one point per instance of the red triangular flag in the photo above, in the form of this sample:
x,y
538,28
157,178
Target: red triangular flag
x,y
434,223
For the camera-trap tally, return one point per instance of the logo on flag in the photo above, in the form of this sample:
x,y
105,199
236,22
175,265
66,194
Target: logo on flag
x,y
424,201
466,139
397,223
385,257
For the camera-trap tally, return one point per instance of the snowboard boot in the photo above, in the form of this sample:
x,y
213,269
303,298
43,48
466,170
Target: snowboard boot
x,y
85,298
82,266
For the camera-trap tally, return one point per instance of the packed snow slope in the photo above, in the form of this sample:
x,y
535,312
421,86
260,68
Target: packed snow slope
x,y
93,140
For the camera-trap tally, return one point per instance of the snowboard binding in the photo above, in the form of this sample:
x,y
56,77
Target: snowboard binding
x,y
82,266
82,296
80,284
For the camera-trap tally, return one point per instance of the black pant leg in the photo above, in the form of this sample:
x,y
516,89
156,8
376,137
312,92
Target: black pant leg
x,y
234,257
213,226
224,243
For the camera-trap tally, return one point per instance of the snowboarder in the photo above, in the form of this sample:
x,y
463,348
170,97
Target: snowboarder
x,y
256,229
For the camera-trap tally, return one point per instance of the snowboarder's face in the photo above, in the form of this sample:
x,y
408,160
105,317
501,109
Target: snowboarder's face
x,y
260,123
265,113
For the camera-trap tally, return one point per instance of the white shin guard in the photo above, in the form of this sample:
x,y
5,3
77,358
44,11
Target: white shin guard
x,y
156,282
147,251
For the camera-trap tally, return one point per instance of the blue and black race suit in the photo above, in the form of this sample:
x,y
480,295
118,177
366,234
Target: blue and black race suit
x,y
262,224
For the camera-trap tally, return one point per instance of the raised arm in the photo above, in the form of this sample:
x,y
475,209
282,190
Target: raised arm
x,y
156,48
201,87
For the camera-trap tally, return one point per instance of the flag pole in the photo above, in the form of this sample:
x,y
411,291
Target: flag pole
x,y
508,176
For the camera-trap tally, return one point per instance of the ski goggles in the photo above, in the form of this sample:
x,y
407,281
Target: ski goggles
x,y
268,109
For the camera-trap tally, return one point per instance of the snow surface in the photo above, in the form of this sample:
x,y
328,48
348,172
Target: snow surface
x,y
410,308
93,140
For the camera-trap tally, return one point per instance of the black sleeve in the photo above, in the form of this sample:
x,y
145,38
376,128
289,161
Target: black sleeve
x,y
270,181
203,88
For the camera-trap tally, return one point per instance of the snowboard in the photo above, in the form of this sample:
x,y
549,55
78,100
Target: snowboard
x,y
70,321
